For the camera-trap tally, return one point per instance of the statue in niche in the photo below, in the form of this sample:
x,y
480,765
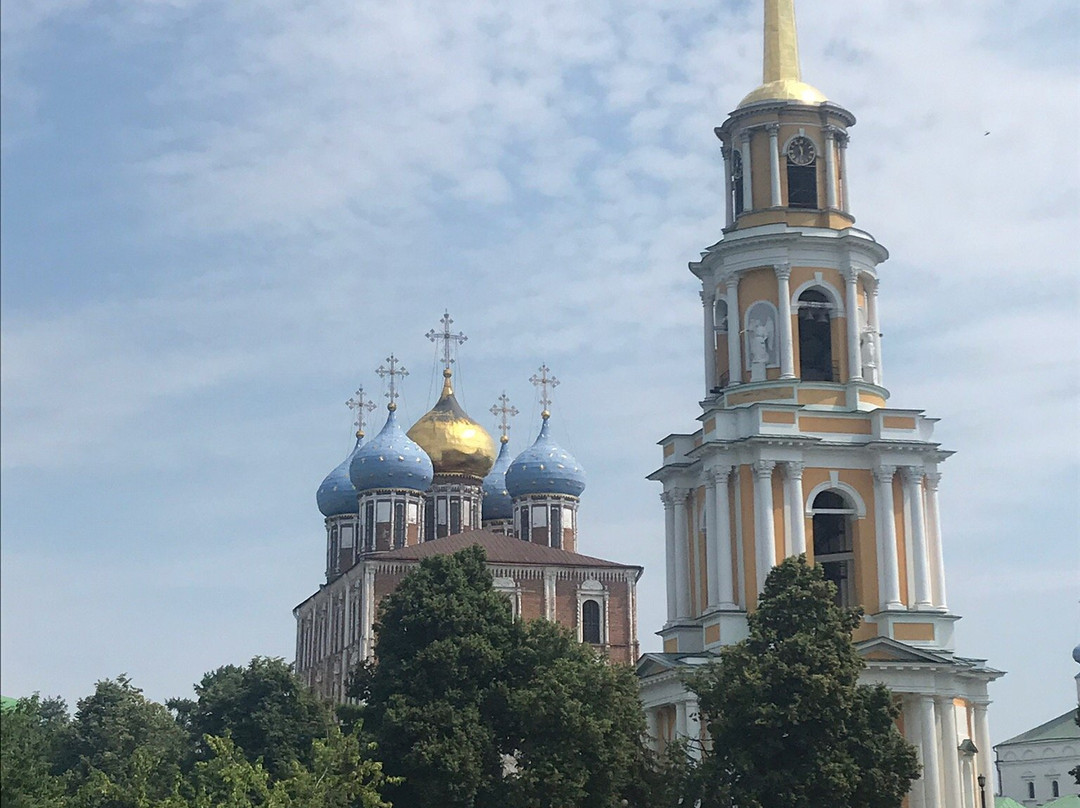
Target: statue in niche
x,y
760,339
868,352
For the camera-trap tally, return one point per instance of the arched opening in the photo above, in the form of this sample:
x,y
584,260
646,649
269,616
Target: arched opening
x,y
815,337
590,622
802,173
737,201
834,549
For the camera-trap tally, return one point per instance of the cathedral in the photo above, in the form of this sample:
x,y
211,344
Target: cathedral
x,y
797,450
440,487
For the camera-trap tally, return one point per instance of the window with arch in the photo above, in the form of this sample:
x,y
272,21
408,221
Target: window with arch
x,y
591,627
815,337
802,173
1054,790
737,201
1031,790
720,320
834,550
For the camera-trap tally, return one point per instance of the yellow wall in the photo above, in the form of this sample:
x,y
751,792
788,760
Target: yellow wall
x,y
759,167
779,528
746,491
901,538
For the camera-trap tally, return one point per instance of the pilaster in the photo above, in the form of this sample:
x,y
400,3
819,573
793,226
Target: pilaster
x,y
888,563
764,527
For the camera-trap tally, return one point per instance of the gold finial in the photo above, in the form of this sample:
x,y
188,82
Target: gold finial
x,y
781,42
361,404
504,410
781,75
447,339
393,372
543,382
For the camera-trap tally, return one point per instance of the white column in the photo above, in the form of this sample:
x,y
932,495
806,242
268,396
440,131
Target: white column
x,y
729,205
888,563
347,628
747,174
682,557
693,728
681,720
774,164
845,189
787,348
984,759
707,302
912,476
722,557
930,754
712,540
653,727
913,735
367,616
796,507
764,528
875,324
950,757
549,594
851,277
830,167
734,332
669,559
933,522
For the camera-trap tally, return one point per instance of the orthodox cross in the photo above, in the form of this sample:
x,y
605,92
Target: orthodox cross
x,y
362,405
543,382
393,372
446,338
504,411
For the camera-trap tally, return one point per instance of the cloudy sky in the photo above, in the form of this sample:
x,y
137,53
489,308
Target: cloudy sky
x,y
219,218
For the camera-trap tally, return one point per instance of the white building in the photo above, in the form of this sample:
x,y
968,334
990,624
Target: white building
x,y
797,449
1034,766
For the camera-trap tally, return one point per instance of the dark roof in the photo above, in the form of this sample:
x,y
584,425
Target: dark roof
x,y
1062,728
500,549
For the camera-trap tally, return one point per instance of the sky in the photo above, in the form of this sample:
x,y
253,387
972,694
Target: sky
x,y
219,218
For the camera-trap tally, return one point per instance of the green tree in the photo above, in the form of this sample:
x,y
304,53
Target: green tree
x,y
31,734
266,710
122,750
473,708
788,721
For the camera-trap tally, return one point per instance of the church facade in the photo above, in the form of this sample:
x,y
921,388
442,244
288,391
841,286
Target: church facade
x,y
436,489
797,450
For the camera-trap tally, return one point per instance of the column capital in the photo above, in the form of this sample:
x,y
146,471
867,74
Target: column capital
x,y
872,282
764,468
933,478
678,496
794,469
884,474
912,475
725,152
850,272
719,474
772,128
831,132
707,299
731,282
842,137
746,134
783,271
668,500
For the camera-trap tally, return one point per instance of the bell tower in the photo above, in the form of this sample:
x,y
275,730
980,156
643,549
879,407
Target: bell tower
x,y
797,449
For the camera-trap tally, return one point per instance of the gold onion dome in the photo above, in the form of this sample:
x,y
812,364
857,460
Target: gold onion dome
x,y
455,443
782,76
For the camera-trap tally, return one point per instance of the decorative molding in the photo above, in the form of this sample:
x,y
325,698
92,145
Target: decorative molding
x,y
783,271
764,468
793,469
884,474
933,479
912,475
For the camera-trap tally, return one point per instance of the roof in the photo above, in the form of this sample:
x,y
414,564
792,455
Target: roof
x,y
500,549
1007,802
8,703
656,663
1063,802
1062,728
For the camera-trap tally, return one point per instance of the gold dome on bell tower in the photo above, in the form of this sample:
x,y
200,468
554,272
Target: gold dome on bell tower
x,y
782,76
455,443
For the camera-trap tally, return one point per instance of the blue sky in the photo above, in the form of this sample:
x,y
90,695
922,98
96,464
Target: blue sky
x,y
218,219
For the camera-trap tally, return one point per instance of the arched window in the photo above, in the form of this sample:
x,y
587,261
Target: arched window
x,y
802,173
1054,790
1031,791
720,323
815,337
590,622
833,543
737,201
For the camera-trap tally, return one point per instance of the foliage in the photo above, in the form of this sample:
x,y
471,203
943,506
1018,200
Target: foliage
x,y
268,711
789,724
122,750
476,709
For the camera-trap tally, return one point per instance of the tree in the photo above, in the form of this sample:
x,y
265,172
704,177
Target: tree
x,y
267,711
473,708
31,733
788,721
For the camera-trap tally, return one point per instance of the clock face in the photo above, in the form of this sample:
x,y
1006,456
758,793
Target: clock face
x,y
801,151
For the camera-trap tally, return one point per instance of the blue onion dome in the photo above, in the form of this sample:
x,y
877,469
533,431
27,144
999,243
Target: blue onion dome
x,y
391,460
497,502
337,495
545,468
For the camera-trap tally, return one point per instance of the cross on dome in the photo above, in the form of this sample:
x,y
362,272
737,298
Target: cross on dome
x,y
393,372
446,338
504,410
543,382
361,404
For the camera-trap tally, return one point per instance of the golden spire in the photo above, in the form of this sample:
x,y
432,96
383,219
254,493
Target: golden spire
x,y
782,77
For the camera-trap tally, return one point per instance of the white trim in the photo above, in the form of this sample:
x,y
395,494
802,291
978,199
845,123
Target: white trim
x,y
831,485
831,291
776,332
595,591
